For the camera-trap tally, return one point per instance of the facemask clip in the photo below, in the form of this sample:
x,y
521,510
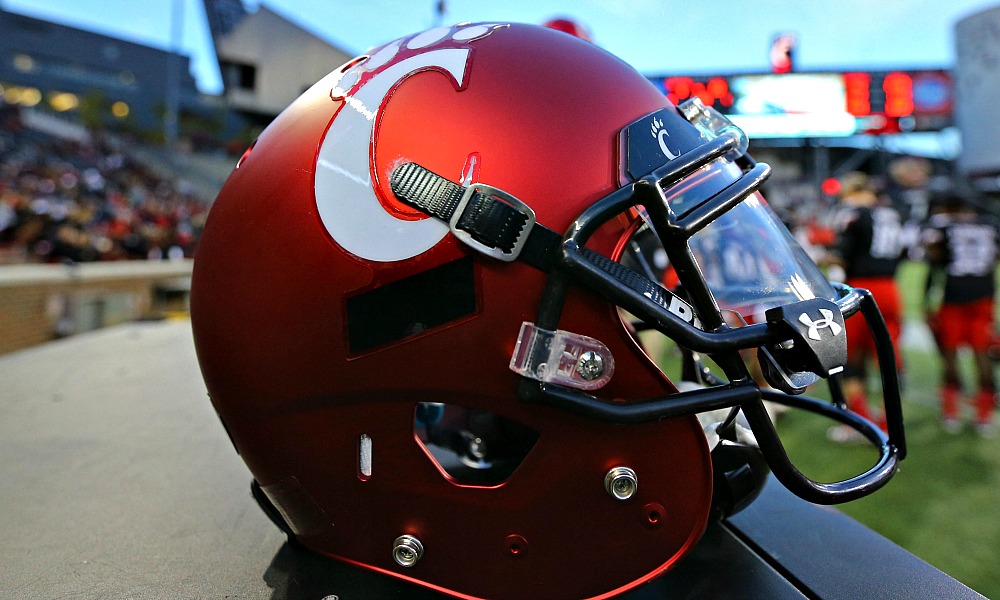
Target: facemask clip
x,y
816,344
562,357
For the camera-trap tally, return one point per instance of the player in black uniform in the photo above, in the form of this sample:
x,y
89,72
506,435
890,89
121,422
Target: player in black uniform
x,y
962,246
869,247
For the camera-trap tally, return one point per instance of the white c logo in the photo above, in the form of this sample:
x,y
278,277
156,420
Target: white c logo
x,y
345,196
660,133
662,139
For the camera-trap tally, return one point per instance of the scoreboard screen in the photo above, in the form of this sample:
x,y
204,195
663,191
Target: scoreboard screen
x,y
823,104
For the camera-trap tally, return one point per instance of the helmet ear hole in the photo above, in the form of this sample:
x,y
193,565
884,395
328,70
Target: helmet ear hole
x,y
471,447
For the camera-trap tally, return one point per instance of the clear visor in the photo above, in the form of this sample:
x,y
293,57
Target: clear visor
x,y
747,256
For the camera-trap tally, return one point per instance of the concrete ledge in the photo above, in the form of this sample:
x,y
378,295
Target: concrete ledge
x,y
19,275
39,303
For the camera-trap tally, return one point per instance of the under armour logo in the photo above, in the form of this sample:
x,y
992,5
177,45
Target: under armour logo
x,y
825,321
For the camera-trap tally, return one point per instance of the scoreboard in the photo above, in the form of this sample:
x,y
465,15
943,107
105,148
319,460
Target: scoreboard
x,y
824,104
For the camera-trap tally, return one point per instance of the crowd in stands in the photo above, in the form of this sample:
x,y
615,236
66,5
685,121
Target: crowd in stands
x,y
80,201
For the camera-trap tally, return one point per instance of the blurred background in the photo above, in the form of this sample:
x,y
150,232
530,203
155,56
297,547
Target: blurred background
x,y
120,120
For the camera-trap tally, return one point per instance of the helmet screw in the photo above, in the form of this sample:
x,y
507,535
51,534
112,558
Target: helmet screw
x,y
477,448
590,365
621,483
407,550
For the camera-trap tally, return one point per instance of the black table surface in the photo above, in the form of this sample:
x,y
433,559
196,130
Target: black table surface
x,y
119,482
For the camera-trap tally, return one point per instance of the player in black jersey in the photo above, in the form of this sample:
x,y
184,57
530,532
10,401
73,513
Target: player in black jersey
x,y
962,245
869,247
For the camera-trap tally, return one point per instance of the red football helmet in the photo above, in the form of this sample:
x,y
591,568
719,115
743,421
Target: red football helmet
x,y
433,379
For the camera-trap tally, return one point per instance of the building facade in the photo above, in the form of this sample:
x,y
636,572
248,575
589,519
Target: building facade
x,y
95,78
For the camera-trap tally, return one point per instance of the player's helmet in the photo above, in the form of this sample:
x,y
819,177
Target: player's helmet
x,y
433,379
570,26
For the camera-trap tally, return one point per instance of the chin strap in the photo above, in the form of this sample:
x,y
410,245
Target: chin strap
x,y
497,224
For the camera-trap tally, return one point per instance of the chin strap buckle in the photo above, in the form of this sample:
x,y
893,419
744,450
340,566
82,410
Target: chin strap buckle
x,y
483,217
492,221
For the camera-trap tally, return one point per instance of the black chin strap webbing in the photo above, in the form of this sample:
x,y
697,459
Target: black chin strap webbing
x,y
426,190
494,225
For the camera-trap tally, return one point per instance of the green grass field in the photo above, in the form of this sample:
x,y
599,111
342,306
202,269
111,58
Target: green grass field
x,y
942,505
